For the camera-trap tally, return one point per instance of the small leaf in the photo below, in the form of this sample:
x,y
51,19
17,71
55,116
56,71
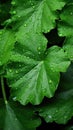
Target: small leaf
x,y
17,117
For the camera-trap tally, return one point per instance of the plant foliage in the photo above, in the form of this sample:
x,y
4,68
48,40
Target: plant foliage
x,y
36,65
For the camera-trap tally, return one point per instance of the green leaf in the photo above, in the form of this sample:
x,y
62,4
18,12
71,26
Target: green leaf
x,y
34,73
60,108
17,117
36,15
60,111
68,47
66,83
6,45
65,27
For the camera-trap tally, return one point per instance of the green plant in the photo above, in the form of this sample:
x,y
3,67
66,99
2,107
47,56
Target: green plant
x,y
36,63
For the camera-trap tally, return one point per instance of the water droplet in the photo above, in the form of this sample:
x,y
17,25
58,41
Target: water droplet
x,y
14,12
50,81
48,30
13,3
71,56
19,16
10,70
0,32
14,98
16,71
6,102
39,48
15,119
28,57
39,52
65,117
32,3
25,25
33,7
60,34
20,65
56,111
52,68
49,116
71,13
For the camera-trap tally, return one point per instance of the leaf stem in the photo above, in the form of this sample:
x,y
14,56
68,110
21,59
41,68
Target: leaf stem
x,y
3,90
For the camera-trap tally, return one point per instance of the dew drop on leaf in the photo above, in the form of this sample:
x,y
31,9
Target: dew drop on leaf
x,y
33,7
16,71
28,57
16,119
56,111
31,3
71,56
19,16
65,117
14,12
25,25
19,65
50,81
39,52
10,70
60,34
14,98
49,116
0,32
71,13
39,48
13,3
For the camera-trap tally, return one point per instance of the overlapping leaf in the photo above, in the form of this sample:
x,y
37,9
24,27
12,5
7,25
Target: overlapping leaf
x,y
65,26
6,45
36,15
68,47
60,108
14,116
33,72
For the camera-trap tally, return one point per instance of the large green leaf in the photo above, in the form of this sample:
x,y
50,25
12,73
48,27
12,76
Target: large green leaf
x,y
17,117
65,26
34,72
6,45
60,108
36,15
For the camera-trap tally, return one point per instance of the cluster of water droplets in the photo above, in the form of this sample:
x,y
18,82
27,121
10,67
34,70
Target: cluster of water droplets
x,y
13,3
32,4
